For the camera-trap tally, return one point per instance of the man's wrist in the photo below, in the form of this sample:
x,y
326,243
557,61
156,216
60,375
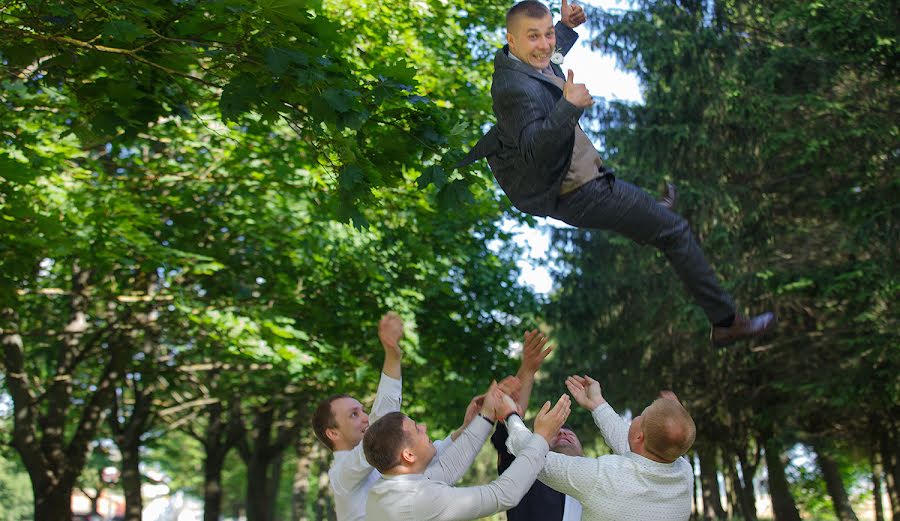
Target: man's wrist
x,y
487,418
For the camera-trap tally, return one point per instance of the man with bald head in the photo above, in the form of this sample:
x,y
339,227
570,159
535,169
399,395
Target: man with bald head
x,y
547,166
646,478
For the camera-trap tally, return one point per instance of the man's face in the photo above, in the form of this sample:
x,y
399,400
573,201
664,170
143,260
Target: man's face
x,y
532,40
352,421
419,442
566,442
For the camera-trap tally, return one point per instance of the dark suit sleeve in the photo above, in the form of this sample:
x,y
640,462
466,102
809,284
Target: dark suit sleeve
x,y
521,111
498,440
565,37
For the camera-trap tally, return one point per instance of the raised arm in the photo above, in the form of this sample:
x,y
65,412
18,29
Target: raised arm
x,y
456,458
534,351
459,504
588,394
521,114
390,388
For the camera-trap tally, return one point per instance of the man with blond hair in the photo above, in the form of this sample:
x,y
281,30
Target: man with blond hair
x,y
646,478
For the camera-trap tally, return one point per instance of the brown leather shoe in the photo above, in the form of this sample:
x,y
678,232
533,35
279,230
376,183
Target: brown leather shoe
x,y
742,328
668,199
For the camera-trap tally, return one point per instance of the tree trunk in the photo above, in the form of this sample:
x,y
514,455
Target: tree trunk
x,y
876,485
324,506
131,482
835,485
744,498
274,483
783,506
258,506
52,503
300,487
748,490
212,485
889,458
709,483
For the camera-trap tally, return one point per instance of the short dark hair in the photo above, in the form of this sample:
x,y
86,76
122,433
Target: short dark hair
x,y
323,419
529,8
384,440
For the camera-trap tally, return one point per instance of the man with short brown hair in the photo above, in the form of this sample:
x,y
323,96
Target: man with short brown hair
x,y
547,166
412,488
340,422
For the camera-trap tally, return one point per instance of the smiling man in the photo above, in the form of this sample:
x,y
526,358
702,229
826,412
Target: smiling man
x,y
547,166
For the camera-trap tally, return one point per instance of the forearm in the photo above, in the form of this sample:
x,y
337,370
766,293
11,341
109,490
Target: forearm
x,y
540,140
458,457
526,378
392,366
388,398
613,428
464,504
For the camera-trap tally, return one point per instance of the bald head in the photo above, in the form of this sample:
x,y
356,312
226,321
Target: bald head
x,y
668,429
527,9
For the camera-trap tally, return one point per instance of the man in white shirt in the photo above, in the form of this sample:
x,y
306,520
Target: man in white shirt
x,y
645,479
340,422
412,488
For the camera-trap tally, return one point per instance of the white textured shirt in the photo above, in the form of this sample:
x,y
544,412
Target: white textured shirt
x,y
350,475
623,486
431,496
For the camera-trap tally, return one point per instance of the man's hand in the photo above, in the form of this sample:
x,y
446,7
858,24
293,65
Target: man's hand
x,y
390,331
511,386
586,391
472,411
577,93
548,421
572,15
506,406
492,401
534,352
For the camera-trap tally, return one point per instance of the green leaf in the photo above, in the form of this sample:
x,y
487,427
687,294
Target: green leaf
x,y
238,97
123,30
435,175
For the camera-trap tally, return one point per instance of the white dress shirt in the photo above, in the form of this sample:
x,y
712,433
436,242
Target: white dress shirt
x,y
431,496
623,486
350,475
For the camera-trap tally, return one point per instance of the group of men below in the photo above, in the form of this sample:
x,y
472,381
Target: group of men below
x,y
386,468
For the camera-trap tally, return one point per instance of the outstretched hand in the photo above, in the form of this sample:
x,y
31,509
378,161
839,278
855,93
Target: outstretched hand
x,y
577,93
586,391
548,421
390,331
534,351
572,14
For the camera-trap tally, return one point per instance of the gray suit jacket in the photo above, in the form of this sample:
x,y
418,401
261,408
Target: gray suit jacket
x,y
530,147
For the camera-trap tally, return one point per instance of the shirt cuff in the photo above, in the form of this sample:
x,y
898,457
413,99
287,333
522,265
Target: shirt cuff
x,y
602,410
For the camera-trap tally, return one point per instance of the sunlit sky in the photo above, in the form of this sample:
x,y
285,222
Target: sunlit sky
x,y
603,80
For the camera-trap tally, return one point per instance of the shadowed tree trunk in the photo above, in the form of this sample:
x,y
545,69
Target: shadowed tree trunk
x,y
221,435
274,429
889,459
709,483
300,487
835,485
876,485
783,506
51,430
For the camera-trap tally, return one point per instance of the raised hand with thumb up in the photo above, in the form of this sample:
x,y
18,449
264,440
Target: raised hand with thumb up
x,y
577,93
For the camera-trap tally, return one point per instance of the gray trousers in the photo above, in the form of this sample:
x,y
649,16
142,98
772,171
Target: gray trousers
x,y
608,203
